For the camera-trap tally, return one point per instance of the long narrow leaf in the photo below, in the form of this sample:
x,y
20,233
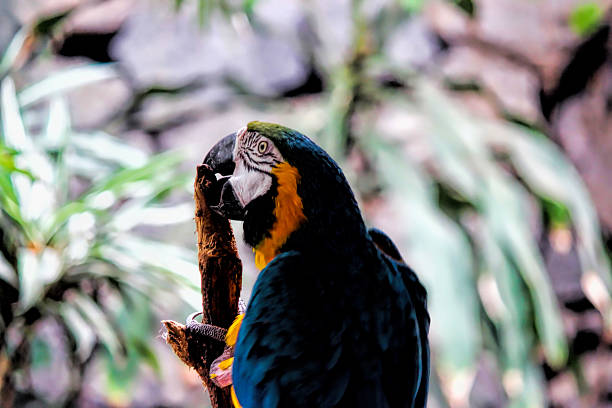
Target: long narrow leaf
x,y
36,269
13,129
7,273
12,51
65,81
98,321
80,330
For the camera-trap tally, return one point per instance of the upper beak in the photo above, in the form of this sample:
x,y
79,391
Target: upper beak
x,y
221,157
221,160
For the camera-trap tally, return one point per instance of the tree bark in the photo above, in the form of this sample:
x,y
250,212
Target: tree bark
x,y
221,280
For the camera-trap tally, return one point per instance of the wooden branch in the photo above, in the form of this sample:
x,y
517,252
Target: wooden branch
x,y
221,280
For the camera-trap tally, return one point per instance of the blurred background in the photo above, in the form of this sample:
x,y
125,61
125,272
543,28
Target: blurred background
x,y
476,133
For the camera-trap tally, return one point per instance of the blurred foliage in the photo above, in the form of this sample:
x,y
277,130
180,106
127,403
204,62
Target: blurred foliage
x,y
585,18
476,199
480,258
70,205
486,254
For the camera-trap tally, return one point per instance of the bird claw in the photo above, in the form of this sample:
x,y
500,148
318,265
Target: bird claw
x,y
204,329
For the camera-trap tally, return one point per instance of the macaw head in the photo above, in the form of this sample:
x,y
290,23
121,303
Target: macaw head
x,y
283,186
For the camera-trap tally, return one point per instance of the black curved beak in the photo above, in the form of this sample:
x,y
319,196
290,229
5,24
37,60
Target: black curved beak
x,y
221,160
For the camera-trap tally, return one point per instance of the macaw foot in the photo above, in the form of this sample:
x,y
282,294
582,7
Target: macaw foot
x,y
215,332
203,329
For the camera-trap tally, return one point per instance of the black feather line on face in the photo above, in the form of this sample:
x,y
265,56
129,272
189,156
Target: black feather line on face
x,y
259,216
249,138
251,168
259,160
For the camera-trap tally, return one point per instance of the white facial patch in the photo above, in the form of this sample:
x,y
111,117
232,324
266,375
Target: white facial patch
x,y
255,157
249,184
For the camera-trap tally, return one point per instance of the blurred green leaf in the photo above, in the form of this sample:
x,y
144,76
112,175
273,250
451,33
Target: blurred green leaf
x,y
204,9
63,214
47,24
413,6
64,81
465,162
139,213
30,287
147,353
558,213
7,273
248,6
40,352
504,208
586,17
457,335
467,6
13,131
119,181
81,332
177,263
36,269
97,320
145,268
58,129
105,147
12,51
552,177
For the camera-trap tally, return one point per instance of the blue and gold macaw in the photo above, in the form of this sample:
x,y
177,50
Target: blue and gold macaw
x,y
336,318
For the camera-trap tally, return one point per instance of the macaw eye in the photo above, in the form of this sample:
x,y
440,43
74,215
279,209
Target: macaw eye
x,y
262,147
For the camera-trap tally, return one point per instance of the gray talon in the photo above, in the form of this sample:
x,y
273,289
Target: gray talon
x,y
208,330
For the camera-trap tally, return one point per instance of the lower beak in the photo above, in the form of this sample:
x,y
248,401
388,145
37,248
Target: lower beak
x,y
229,206
221,160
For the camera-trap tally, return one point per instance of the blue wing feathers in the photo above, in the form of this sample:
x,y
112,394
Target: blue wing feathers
x,y
353,341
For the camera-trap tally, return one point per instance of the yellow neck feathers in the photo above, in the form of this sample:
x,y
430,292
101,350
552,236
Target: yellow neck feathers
x,y
288,211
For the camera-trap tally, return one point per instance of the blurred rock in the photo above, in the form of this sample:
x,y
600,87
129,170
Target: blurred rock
x,y
29,11
563,391
584,125
266,65
332,25
163,109
94,105
513,87
50,374
488,49
90,28
197,137
477,103
487,390
565,272
412,44
446,19
158,47
155,46
102,17
402,127
544,24
597,371
267,12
